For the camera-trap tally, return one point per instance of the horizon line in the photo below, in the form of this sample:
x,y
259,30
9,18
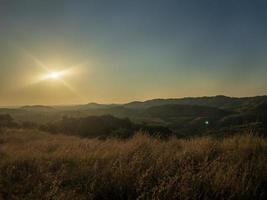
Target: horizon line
x,y
123,103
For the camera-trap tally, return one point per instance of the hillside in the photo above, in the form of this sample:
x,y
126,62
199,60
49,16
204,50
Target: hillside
x,y
219,101
184,117
38,165
37,108
177,110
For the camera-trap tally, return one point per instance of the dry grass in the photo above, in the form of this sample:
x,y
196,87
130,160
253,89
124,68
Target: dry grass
x,y
35,165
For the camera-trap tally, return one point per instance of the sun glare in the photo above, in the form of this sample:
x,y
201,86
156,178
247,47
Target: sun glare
x,y
54,75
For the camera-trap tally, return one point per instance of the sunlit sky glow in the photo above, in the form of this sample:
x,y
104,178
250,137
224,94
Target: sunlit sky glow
x,y
80,51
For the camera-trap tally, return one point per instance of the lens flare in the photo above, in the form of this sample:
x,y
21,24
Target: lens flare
x,y
54,75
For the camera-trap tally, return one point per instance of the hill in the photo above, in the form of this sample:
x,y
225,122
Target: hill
x,y
184,117
219,101
177,110
105,126
37,108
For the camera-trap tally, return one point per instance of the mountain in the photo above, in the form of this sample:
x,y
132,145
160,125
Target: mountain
x,y
88,106
219,101
176,110
38,108
183,116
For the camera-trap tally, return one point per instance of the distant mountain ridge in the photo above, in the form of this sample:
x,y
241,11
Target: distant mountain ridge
x,y
37,108
219,101
176,110
183,116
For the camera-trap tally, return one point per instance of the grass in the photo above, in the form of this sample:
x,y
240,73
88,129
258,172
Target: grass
x,y
36,165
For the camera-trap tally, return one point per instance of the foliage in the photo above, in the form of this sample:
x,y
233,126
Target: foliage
x,y
100,126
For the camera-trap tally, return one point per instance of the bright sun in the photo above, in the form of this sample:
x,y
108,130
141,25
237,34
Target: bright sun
x,y
54,75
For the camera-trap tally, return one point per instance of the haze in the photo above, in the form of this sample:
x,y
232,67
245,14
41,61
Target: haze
x,y
120,51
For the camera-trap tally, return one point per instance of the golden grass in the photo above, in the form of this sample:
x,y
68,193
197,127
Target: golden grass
x,y
36,165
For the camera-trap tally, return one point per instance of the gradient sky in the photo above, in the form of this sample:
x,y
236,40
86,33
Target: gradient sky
x,y
127,50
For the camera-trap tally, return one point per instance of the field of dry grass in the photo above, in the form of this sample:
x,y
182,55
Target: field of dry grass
x,y
35,165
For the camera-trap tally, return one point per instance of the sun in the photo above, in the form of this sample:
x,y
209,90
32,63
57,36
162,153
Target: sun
x,y
54,75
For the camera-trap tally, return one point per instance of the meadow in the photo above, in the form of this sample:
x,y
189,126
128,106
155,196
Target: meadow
x,y
39,165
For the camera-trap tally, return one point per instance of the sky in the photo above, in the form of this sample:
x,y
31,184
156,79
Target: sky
x,y
114,51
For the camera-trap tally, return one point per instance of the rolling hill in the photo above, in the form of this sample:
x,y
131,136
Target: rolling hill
x,y
185,115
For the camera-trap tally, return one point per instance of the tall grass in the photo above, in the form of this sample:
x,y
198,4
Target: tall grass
x,y
36,165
